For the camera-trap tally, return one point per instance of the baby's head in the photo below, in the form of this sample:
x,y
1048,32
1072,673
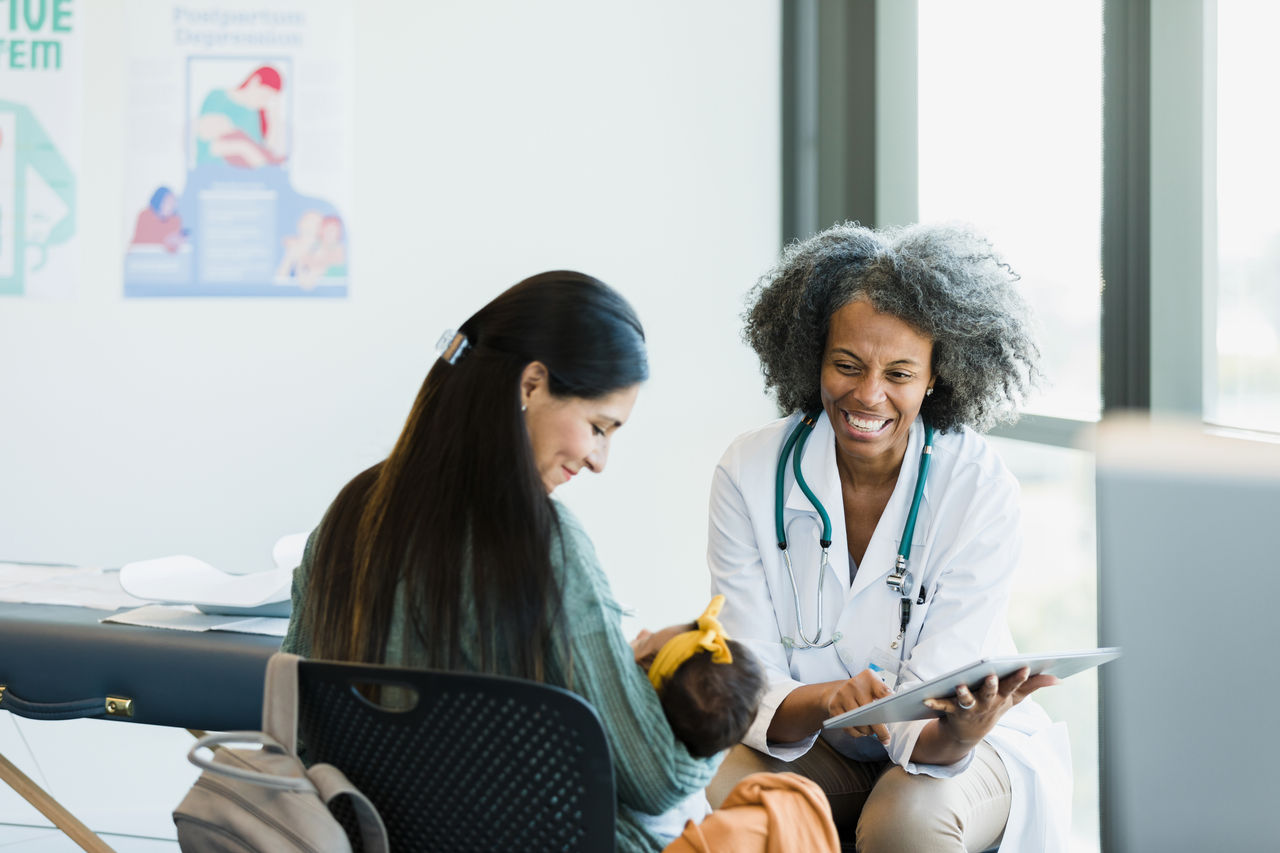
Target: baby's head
x,y
710,686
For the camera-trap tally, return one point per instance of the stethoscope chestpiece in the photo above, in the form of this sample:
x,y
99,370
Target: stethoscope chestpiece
x,y
900,581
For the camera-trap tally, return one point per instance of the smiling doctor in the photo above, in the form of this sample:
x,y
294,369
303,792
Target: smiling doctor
x,y
869,540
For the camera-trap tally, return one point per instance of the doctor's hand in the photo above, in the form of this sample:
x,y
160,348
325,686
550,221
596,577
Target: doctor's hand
x,y
970,715
863,689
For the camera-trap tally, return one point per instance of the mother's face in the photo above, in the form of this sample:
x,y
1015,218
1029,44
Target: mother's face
x,y
570,434
875,372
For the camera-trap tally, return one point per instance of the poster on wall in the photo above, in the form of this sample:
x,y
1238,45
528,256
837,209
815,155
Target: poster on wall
x,y
40,131
238,154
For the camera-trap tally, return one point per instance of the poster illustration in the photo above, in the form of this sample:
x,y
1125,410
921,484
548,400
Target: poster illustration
x,y
238,168
40,131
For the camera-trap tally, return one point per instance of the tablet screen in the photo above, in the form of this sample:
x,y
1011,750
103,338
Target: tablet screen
x,y
909,703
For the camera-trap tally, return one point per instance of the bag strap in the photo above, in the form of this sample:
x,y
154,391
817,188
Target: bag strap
x,y
268,744
280,700
323,779
280,727
333,783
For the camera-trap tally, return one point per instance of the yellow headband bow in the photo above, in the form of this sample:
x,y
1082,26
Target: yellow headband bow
x,y
709,637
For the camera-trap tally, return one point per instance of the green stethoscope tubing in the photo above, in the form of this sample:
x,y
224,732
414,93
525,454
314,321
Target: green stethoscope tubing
x,y
900,581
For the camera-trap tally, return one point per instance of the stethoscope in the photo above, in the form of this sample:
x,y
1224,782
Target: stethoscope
x,y
900,581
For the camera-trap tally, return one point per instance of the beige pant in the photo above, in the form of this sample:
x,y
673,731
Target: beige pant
x,y
885,808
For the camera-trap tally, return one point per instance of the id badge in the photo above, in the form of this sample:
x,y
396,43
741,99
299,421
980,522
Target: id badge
x,y
885,665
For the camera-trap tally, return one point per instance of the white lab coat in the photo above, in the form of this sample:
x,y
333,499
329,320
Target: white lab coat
x,y
965,549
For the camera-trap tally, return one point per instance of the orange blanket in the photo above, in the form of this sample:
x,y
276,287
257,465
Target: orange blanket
x,y
765,813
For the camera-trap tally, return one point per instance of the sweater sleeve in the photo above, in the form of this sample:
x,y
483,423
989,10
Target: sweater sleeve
x,y
652,769
297,640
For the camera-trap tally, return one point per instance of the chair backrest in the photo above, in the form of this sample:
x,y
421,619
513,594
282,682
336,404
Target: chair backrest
x,y
477,763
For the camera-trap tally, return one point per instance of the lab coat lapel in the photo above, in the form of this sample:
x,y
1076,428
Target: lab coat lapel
x,y
882,550
819,467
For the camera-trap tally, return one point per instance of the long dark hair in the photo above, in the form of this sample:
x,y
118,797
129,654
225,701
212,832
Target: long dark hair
x,y
457,516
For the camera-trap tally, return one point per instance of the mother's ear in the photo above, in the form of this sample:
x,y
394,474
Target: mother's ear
x,y
534,379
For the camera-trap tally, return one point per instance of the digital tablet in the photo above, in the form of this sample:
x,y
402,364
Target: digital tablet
x,y
909,704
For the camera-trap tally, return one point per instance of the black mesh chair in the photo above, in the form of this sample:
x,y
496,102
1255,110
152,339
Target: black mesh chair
x,y
477,763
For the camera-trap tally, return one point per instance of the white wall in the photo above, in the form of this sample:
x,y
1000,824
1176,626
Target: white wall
x,y
634,141
637,142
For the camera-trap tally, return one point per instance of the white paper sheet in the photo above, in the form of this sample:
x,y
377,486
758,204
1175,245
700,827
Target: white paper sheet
x,y
12,574
269,626
76,586
185,617
182,579
188,580
287,553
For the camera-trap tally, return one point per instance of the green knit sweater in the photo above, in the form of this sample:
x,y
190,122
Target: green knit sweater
x,y
652,770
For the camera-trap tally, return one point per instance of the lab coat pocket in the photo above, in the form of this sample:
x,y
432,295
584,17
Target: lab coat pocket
x,y
920,605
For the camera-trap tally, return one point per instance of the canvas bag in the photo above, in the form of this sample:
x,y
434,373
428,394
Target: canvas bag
x,y
266,799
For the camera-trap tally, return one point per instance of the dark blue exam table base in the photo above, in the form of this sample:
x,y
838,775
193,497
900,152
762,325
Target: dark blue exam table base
x,y
188,679
58,657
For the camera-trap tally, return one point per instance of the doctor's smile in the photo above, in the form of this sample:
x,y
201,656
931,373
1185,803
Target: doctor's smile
x,y
864,424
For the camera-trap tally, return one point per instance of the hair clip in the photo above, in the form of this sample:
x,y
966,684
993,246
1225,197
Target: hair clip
x,y
452,345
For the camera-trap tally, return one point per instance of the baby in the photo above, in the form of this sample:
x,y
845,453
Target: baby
x,y
710,687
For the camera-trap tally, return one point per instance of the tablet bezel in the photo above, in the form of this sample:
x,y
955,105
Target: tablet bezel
x,y
909,704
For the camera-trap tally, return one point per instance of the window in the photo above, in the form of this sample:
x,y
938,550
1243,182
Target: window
x,y
1244,384
1010,140
1058,576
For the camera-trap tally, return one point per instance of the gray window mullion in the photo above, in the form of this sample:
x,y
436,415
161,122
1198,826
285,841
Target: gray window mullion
x,y
1126,238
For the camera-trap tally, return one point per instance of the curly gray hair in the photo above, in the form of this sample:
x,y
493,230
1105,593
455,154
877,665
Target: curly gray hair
x,y
943,280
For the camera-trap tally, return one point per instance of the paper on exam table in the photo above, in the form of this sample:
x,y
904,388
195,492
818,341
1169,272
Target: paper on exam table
x,y
186,579
12,574
178,617
76,586
287,553
185,617
270,626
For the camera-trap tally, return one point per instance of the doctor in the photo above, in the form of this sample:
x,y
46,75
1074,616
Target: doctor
x,y
868,541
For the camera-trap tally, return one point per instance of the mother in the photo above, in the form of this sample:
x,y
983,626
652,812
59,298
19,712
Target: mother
x,y
875,341
451,554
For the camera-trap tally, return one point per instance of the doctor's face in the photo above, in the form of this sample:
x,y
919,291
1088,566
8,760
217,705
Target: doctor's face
x,y
875,371
571,434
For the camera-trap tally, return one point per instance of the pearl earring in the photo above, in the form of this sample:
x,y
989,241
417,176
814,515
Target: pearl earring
x,y
928,392
524,408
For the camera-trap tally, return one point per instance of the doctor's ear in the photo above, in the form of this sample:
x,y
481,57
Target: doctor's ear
x,y
533,378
